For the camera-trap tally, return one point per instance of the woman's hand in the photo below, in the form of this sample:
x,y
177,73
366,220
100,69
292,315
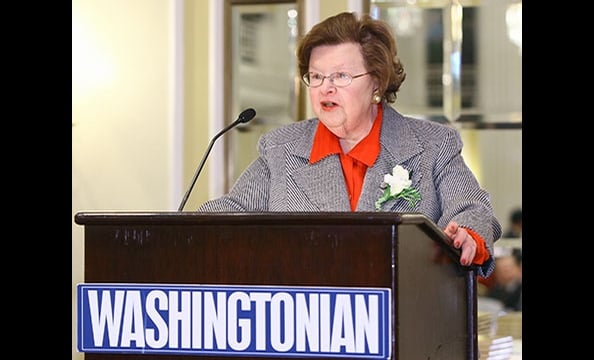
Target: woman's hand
x,y
461,239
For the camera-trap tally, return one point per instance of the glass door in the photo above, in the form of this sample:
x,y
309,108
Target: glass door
x,y
262,75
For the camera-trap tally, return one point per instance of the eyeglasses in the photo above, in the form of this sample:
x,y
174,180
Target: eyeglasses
x,y
339,79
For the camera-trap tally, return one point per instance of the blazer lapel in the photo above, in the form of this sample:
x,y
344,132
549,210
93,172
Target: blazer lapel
x,y
399,145
322,183
372,183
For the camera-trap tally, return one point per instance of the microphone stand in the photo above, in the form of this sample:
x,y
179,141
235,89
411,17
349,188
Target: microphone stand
x,y
244,117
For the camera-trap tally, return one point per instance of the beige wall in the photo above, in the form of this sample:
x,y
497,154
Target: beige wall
x,y
196,74
122,109
329,8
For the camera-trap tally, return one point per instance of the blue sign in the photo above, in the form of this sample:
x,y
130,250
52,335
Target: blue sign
x,y
228,320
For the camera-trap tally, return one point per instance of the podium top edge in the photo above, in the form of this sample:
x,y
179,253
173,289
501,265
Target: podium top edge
x,y
187,218
287,218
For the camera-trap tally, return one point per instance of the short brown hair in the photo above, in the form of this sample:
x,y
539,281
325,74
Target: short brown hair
x,y
378,47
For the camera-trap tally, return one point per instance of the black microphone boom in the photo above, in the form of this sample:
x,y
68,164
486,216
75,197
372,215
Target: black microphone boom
x,y
245,116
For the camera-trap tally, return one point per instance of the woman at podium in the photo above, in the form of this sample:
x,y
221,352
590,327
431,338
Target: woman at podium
x,y
359,153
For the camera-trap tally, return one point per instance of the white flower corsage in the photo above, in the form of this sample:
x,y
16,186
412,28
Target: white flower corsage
x,y
398,185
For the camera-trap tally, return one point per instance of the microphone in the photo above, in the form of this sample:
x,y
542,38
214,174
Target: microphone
x,y
245,116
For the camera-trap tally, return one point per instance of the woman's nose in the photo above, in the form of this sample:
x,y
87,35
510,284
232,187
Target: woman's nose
x,y
327,86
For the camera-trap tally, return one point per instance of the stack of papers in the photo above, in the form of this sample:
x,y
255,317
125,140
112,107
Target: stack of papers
x,y
498,348
510,324
486,322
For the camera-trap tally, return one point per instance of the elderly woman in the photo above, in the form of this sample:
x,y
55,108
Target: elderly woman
x,y
359,153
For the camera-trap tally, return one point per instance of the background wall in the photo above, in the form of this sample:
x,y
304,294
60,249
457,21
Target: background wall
x,y
124,115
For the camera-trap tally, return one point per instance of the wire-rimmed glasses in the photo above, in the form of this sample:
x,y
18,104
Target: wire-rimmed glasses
x,y
339,79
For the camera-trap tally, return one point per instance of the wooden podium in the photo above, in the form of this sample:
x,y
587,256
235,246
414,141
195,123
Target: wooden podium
x,y
434,313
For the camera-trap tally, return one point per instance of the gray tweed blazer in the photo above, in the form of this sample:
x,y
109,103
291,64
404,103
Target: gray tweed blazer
x,y
281,180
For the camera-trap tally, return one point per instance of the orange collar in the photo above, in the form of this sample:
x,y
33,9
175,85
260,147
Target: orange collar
x,y
366,151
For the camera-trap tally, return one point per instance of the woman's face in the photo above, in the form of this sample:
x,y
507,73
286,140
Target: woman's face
x,y
346,111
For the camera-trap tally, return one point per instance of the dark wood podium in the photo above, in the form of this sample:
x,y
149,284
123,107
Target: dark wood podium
x,y
434,298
